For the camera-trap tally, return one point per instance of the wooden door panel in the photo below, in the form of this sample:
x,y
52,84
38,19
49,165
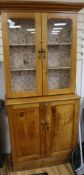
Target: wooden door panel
x,y
26,131
62,118
62,127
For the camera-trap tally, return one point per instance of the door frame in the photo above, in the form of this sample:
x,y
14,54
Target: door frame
x,y
23,15
46,16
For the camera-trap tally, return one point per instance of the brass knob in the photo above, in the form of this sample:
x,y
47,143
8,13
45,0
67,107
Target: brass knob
x,y
43,124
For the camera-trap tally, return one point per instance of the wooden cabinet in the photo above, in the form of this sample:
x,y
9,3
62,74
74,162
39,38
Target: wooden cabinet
x,y
40,70
44,129
40,53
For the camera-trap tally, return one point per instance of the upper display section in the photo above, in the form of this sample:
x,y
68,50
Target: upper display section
x,y
40,53
59,49
23,36
22,42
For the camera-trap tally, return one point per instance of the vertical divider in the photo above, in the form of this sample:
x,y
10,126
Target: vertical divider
x,y
38,60
44,47
48,129
43,129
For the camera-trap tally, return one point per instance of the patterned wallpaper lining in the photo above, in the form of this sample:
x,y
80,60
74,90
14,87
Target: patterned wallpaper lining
x,y
24,57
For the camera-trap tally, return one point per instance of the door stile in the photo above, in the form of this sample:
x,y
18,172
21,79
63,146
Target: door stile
x,y
45,60
38,58
73,54
6,54
48,129
43,129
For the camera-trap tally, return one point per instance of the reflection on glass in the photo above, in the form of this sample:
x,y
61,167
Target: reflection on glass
x,y
22,54
59,53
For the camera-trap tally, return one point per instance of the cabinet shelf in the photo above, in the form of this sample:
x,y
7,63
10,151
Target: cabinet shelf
x,y
16,45
33,69
59,44
59,68
49,44
19,70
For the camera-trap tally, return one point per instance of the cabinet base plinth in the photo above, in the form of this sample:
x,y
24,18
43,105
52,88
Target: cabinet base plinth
x,y
39,163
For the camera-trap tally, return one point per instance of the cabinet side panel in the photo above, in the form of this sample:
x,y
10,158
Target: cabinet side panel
x,y
76,120
6,54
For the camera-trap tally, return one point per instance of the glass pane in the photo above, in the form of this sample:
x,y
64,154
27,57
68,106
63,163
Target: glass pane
x,y
22,54
59,53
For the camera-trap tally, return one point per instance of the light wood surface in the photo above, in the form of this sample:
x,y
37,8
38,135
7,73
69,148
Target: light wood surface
x,y
63,169
26,137
6,54
61,117
41,99
39,135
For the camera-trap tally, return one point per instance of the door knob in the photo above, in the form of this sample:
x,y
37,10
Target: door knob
x,y
45,124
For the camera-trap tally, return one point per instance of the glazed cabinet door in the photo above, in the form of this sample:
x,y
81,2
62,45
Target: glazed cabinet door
x,y
61,133
59,43
27,133
22,43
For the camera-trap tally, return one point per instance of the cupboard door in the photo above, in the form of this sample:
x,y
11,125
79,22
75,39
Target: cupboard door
x,y
22,42
59,43
26,132
61,135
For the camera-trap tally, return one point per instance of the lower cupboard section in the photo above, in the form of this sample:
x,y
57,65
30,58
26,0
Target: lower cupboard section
x,y
43,133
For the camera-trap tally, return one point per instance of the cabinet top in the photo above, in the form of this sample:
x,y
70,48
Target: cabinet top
x,y
35,5
41,99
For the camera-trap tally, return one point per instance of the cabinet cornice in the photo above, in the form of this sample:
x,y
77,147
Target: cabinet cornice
x,y
35,5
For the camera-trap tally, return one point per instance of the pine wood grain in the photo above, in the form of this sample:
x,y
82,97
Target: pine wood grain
x,y
19,101
63,169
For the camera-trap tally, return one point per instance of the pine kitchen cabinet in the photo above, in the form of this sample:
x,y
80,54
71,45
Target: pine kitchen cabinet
x,y
40,69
